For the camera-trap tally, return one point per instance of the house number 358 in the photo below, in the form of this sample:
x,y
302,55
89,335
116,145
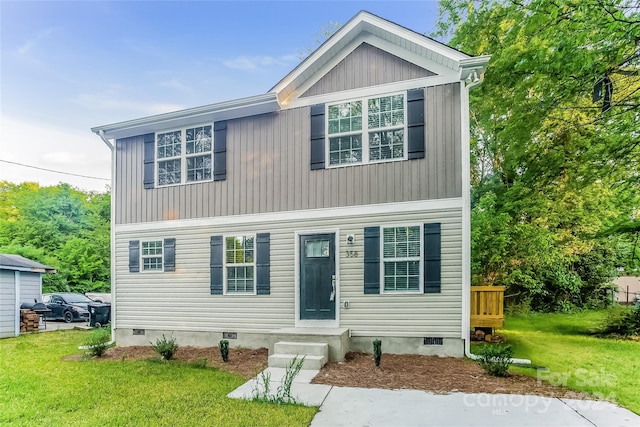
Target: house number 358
x,y
352,254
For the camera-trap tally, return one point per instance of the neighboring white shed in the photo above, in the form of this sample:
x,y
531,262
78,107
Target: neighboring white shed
x,y
20,281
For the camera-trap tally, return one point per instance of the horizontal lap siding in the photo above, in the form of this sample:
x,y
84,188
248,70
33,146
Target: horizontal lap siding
x,y
182,300
30,287
7,303
268,170
366,66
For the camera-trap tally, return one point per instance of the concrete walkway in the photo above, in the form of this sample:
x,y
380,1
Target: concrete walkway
x,y
348,406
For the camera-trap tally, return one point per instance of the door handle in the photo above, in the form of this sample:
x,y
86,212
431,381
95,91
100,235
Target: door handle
x,y
333,288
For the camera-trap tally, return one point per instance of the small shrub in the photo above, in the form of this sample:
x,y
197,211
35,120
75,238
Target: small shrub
x,y
224,350
97,342
377,351
622,321
495,359
166,348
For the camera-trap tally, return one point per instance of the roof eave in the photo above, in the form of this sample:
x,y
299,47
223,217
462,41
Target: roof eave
x,y
237,108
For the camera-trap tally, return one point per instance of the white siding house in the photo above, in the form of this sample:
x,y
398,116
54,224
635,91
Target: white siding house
x,y
20,282
338,201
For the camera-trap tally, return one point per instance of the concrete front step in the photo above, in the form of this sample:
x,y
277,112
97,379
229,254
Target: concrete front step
x,y
315,355
336,338
310,348
310,362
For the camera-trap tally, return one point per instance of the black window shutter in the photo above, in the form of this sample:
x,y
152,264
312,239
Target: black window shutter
x,y
415,123
317,136
263,257
134,256
432,248
372,260
216,265
149,159
220,151
169,254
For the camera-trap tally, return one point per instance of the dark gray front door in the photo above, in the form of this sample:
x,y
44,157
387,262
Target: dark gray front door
x,y
317,277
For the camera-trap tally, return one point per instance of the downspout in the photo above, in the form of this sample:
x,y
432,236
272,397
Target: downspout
x,y
472,81
112,239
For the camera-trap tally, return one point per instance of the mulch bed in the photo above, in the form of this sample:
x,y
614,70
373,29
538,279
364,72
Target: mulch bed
x,y
242,361
439,375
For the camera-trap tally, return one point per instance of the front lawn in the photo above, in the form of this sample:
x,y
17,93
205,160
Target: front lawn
x,y
37,387
575,357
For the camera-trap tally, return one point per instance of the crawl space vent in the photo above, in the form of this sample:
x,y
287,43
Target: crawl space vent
x,y
433,341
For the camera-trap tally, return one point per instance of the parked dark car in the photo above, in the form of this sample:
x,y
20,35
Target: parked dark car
x,y
67,306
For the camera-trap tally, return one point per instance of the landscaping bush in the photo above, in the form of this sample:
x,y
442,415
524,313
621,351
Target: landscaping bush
x,y
495,359
377,351
165,347
97,342
224,350
622,321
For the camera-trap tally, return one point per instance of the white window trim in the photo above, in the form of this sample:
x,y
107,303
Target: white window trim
x,y
183,156
420,289
143,257
364,132
243,264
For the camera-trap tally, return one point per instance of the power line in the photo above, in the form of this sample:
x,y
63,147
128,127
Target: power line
x,y
54,171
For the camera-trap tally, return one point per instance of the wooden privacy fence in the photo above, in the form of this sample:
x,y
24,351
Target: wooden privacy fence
x,y
487,306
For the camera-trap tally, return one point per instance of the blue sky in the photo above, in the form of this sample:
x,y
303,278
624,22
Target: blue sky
x,y
69,66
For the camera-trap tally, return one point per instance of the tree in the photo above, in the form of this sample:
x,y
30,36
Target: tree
x,y
60,226
555,169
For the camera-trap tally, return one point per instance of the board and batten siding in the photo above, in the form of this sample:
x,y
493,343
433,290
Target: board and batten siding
x,y
268,170
366,66
7,304
181,300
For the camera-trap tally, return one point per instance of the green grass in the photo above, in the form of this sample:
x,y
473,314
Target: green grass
x,y
37,387
565,344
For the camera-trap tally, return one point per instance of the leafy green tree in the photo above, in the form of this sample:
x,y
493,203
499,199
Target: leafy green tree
x,y
555,182
60,226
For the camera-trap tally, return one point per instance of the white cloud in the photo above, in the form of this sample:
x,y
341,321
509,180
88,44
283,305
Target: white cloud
x,y
110,101
29,44
258,63
64,150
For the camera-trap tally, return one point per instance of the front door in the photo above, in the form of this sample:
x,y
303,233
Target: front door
x,y
317,277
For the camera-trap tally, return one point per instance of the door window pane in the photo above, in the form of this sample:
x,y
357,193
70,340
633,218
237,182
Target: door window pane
x,y
316,248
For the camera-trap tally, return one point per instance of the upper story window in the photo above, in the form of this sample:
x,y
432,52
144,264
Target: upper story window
x,y
152,255
367,130
401,258
240,262
184,155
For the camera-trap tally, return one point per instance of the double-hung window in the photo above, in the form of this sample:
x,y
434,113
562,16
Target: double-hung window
x,y
152,255
367,130
184,155
401,258
240,264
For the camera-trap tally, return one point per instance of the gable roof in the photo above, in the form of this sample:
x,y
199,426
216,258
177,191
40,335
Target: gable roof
x,y
19,263
364,27
368,28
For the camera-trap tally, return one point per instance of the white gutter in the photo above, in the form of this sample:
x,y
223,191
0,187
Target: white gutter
x,y
112,239
227,110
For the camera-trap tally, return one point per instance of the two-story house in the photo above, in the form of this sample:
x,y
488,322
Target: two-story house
x,y
335,205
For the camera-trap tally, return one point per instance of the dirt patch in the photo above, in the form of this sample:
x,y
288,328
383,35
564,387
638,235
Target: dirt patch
x,y
439,375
